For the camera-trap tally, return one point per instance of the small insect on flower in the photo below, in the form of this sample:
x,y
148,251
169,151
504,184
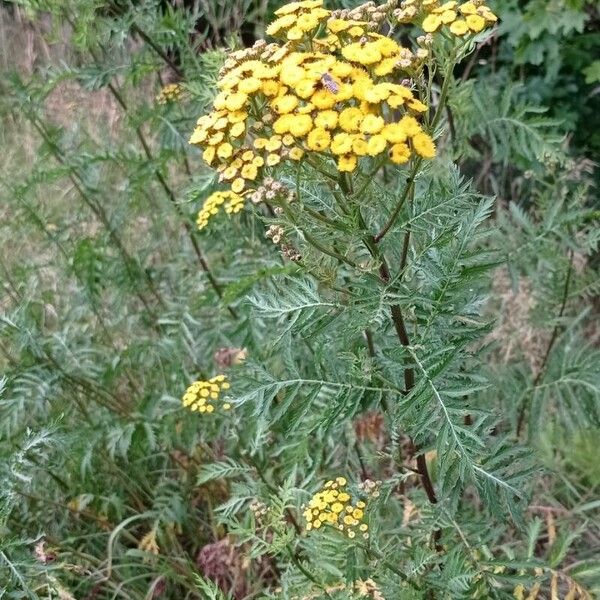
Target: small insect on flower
x,y
329,83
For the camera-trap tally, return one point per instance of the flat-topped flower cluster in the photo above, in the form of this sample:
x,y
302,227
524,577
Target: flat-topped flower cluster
x,y
460,19
334,88
203,396
333,505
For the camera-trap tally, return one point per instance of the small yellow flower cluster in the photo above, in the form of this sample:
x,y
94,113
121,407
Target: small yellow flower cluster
x,y
232,202
333,506
469,17
335,96
298,19
201,395
171,92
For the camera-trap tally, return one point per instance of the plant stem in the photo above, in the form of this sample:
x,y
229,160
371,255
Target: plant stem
x,y
402,333
407,190
379,556
172,198
313,242
135,28
411,178
306,572
100,214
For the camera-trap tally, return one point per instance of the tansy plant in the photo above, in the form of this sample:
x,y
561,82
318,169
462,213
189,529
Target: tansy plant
x,y
336,132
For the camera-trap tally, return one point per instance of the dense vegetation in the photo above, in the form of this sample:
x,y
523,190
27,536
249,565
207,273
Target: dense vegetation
x,y
376,377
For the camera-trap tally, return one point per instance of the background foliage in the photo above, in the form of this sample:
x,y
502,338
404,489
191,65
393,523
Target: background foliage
x,y
112,303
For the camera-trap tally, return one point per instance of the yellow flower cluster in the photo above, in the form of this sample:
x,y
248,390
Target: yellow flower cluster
x,y
297,19
469,17
231,201
336,96
333,506
171,92
201,396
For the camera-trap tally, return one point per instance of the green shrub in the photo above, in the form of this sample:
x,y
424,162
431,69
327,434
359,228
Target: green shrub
x,y
418,338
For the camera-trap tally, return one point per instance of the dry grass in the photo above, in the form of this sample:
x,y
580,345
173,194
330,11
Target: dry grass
x,y
515,335
90,119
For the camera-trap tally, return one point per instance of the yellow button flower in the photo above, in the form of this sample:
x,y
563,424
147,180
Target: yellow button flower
x,y
423,145
229,173
376,145
459,27
291,75
370,55
238,185
448,16
294,34
347,163
236,101
249,172
360,147
270,88
372,124
300,125
341,144
350,119
285,104
338,25
305,88
237,130
399,154
377,93
475,23
417,105
273,144
394,133
307,22
431,23
296,153
198,136
279,24
283,124
225,151
410,125
468,8
250,85
356,31
318,140
294,7
341,69
209,155
327,119
324,99
387,46
386,66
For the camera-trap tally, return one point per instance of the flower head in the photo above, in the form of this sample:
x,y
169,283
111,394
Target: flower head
x,y
334,506
172,92
335,96
469,17
230,200
202,396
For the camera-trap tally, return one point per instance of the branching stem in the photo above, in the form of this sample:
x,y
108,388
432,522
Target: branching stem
x,y
417,164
